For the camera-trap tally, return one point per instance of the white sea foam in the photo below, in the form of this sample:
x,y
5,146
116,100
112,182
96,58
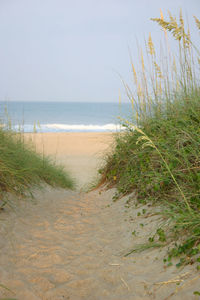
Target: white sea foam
x,y
83,127
70,128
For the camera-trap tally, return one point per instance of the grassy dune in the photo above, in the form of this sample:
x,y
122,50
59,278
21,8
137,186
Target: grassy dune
x,y
22,169
159,153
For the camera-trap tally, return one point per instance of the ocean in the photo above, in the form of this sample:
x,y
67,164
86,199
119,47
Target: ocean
x,y
63,116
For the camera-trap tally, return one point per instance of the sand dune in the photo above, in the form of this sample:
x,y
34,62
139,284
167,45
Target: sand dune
x,y
71,245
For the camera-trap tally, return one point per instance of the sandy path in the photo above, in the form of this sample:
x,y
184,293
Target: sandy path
x,y
71,246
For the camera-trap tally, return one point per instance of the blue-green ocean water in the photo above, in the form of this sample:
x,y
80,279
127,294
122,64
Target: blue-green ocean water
x,y
64,116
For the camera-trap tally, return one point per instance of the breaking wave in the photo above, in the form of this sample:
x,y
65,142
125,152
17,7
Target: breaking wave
x,y
68,128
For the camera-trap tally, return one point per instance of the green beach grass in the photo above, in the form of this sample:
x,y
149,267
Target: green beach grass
x,y
22,169
158,155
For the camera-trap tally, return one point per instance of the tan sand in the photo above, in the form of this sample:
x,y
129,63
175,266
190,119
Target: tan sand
x,y
80,153
71,245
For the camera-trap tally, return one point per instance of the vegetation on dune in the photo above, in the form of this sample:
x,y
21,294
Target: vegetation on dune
x,y
22,169
158,155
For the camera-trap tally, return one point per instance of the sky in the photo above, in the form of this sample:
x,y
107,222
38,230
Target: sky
x,y
61,50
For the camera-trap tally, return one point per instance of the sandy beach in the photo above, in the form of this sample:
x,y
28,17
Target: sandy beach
x,y
71,245
80,153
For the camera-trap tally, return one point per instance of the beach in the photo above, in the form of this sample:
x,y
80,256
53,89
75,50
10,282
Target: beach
x,y
100,150
81,153
72,245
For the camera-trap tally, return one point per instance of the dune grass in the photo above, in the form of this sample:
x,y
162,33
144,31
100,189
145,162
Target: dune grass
x,y
158,155
22,169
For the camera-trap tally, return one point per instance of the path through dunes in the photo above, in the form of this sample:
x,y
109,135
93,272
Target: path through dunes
x,y
71,245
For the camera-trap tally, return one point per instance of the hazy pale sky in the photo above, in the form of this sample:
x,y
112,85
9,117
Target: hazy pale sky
x,y
60,50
